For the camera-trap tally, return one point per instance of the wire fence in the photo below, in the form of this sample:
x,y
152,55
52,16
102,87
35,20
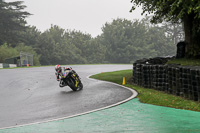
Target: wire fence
x,y
26,59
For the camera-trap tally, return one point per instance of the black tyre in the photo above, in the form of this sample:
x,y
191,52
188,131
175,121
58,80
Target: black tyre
x,y
80,86
71,84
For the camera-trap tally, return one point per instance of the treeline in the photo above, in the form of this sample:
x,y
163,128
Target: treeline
x,y
121,41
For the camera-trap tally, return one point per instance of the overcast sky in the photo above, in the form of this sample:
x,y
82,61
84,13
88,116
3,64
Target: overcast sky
x,y
87,16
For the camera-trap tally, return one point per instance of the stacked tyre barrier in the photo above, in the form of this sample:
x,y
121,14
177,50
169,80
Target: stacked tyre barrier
x,y
174,79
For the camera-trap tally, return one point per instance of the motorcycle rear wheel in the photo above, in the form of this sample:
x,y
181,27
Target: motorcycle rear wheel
x,y
80,86
71,84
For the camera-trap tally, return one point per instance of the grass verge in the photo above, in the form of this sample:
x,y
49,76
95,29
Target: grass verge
x,y
149,96
185,62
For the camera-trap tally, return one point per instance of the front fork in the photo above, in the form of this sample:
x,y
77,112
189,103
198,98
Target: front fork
x,y
62,83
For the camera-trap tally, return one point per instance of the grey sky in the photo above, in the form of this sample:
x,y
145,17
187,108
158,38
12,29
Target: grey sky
x,y
88,16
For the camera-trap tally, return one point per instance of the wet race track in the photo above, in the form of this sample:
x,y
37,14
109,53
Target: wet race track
x,y
29,95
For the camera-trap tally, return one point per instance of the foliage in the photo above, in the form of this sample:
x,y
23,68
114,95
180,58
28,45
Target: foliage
x,y
80,42
127,41
122,40
119,37
49,45
171,10
59,47
30,50
31,36
12,21
159,43
185,11
7,52
95,51
174,31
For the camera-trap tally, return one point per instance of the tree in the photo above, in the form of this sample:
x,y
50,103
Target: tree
x,y
126,41
31,36
186,11
49,45
12,21
95,51
57,46
119,34
7,52
174,31
79,40
159,42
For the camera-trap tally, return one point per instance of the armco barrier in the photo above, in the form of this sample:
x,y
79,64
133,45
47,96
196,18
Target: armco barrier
x,y
4,65
12,65
178,80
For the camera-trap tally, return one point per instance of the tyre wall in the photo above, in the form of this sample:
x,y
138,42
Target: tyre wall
x,y
174,79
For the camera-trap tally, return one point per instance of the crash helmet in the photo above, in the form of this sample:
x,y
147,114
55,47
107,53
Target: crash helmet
x,y
57,68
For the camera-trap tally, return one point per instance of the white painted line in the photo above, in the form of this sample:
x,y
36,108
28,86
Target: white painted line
x,y
134,94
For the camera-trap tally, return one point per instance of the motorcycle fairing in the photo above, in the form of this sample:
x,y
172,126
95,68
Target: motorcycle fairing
x,y
66,72
75,77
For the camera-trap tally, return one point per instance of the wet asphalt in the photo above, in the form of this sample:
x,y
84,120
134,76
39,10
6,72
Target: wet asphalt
x,y
29,95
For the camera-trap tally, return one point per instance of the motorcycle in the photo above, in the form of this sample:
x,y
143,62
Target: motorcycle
x,y
70,78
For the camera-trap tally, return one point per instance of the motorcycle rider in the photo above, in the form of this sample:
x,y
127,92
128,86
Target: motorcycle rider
x,y
59,71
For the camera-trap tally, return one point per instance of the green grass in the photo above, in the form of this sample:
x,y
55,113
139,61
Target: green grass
x,y
149,96
185,62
